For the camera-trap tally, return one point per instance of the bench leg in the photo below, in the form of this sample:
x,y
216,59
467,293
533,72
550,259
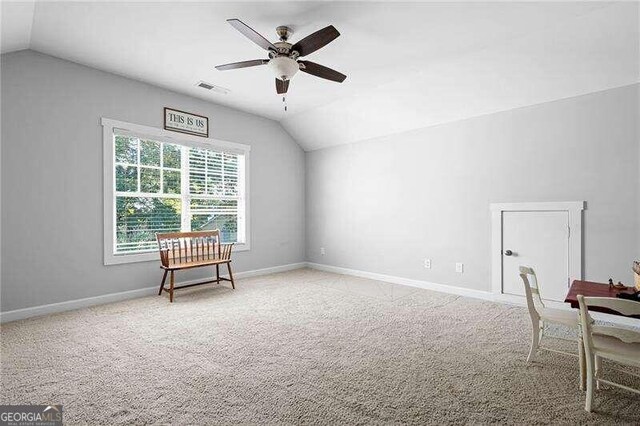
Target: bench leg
x,y
171,289
218,273
233,286
164,278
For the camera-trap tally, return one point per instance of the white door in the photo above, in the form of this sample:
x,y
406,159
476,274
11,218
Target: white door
x,y
540,240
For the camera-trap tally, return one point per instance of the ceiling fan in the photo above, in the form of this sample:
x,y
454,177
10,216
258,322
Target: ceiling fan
x,y
283,56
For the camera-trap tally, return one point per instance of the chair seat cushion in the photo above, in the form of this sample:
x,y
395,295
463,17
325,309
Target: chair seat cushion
x,y
617,348
560,316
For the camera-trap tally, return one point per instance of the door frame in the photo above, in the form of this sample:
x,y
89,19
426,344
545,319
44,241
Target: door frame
x,y
574,210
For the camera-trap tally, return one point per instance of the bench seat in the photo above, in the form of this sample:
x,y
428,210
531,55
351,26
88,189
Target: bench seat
x,y
195,264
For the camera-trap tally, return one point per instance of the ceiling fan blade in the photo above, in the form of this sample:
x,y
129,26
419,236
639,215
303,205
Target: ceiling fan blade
x,y
242,64
251,34
315,41
282,86
321,71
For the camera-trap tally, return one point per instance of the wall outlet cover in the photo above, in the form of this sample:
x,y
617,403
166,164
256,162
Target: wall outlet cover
x,y
459,267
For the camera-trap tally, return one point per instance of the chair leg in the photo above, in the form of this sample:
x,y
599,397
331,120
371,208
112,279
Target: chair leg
x,y
581,361
164,278
535,340
233,285
218,273
598,370
590,383
171,288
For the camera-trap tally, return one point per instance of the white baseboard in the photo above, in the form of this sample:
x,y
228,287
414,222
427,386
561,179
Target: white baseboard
x,y
460,291
35,311
271,270
443,288
19,314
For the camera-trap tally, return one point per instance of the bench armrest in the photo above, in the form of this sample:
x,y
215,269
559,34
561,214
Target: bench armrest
x,y
164,256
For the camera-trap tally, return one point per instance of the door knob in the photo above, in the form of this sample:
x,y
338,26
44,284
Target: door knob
x,y
508,253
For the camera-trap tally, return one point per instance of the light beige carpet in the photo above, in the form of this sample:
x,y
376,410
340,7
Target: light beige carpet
x,y
297,347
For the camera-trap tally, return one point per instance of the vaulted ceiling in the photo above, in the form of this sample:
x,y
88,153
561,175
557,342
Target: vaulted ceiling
x,y
409,65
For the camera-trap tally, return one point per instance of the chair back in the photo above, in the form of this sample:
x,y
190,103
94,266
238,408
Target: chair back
x,y
531,290
625,307
189,247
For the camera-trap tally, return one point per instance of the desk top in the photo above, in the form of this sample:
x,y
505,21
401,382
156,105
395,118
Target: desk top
x,y
593,289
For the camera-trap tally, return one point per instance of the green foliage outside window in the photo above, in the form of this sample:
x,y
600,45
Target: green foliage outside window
x,y
126,178
171,156
149,179
126,150
139,218
150,153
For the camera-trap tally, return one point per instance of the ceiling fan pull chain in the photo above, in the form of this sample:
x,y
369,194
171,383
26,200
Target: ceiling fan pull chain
x,y
284,101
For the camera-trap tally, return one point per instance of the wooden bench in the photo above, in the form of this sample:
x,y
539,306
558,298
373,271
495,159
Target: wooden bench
x,y
186,250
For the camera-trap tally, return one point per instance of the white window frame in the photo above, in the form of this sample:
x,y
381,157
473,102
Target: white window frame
x,y
161,135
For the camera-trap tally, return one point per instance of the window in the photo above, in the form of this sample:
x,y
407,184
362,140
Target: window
x,y
156,181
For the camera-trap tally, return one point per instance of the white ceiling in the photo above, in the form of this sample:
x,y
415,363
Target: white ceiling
x,y
409,65
17,18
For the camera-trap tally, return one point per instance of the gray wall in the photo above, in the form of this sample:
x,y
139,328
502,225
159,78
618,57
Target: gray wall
x,y
386,204
52,221
379,206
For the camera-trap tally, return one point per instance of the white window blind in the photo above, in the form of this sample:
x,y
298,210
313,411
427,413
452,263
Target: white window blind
x,y
161,186
214,192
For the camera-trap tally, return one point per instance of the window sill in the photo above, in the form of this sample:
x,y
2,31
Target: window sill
x,y
118,259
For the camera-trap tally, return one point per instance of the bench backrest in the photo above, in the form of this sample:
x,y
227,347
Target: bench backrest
x,y
188,247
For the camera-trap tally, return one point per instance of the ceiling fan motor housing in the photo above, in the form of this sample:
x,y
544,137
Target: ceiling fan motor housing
x,y
284,67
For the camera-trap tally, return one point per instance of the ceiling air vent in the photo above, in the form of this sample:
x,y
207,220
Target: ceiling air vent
x,y
212,87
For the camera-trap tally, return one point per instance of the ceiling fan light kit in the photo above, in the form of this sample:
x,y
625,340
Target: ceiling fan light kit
x,y
283,56
284,67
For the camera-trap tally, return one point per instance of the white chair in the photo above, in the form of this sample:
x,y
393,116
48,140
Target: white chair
x,y
617,344
541,315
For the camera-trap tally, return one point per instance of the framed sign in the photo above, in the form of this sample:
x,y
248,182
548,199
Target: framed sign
x,y
185,122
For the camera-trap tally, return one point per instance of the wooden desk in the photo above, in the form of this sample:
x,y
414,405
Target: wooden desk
x,y
592,289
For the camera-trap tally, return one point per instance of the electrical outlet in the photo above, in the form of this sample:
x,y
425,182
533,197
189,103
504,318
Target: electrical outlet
x,y
459,267
427,263
322,251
